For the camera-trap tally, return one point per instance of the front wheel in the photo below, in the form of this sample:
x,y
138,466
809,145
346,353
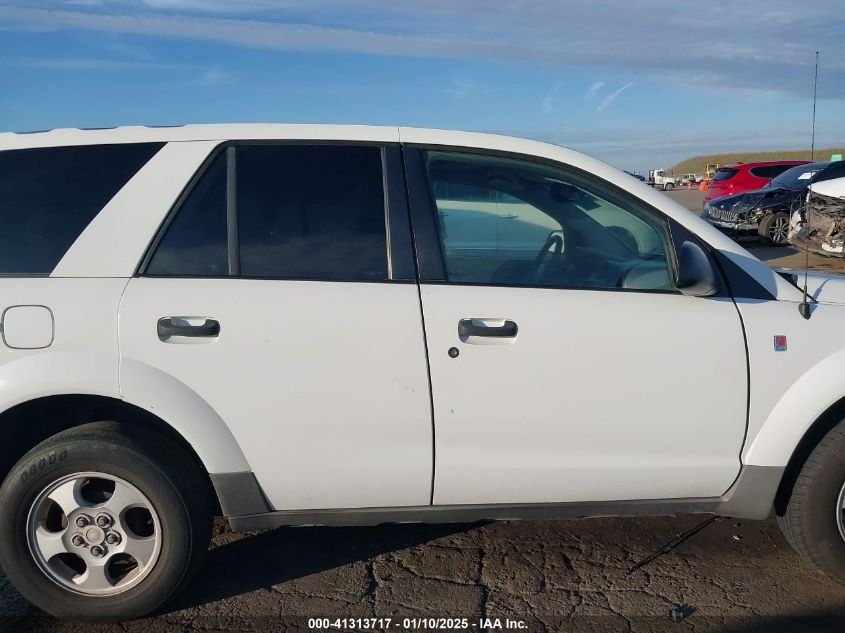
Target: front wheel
x,y
774,228
813,520
100,525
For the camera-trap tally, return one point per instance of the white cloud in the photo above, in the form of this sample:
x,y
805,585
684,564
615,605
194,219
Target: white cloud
x,y
681,48
214,77
593,89
78,63
548,101
612,97
460,88
116,45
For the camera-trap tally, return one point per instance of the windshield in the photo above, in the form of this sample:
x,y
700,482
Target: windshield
x,y
797,177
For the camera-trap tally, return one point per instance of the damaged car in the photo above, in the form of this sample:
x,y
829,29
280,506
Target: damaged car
x,y
819,224
765,213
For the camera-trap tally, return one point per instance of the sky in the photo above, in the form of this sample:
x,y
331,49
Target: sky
x,y
638,84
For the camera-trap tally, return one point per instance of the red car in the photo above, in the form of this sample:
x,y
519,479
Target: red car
x,y
741,177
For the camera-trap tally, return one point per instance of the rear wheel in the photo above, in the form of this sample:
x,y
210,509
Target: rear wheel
x,y
814,518
98,525
774,229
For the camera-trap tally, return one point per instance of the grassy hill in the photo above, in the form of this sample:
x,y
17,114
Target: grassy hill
x,y
697,164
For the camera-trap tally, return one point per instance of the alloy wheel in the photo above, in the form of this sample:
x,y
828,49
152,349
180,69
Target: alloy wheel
x,y
94,533
778,230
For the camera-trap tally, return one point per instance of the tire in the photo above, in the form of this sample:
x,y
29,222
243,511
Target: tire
x,y
773,228
668,186
173,533
813,515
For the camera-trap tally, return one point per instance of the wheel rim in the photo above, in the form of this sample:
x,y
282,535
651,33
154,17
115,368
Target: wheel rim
x,y
840,512
94,533
778,230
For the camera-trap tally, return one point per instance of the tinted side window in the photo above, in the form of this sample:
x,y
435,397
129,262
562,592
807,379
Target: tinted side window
x,y
725,174
764,171
311,212
777,170
48,196
512,222
835,170
194,245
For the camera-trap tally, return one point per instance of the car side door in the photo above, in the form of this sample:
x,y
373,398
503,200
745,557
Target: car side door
x,y
277,293
565,364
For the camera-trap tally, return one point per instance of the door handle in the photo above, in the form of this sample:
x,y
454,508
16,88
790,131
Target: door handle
x,y
476,327
181,327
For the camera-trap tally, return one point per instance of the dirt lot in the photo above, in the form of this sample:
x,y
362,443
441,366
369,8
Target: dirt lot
x,y
732,576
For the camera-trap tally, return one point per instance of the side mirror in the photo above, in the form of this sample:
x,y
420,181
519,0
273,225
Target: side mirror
x,y
696,276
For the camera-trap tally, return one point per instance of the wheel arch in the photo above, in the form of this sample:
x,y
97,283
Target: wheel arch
x,y
29,423
834,414
806,411
92,387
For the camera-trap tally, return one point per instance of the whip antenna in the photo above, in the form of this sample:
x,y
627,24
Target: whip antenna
x,y
815,92
804,306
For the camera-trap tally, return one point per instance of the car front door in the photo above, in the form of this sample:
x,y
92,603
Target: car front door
x,y
275,295
565,364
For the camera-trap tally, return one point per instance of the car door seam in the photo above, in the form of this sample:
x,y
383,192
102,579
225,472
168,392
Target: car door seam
x,y
422,325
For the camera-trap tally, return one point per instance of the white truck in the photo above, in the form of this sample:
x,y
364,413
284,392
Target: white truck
x,y
657,178
350,325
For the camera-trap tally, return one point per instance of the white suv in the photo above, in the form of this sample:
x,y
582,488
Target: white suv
x,y
298,325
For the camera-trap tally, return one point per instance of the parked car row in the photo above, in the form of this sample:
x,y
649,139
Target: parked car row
x,y
764,212
739,177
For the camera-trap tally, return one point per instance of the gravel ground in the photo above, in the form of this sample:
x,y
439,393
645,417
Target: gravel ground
x,y
571,576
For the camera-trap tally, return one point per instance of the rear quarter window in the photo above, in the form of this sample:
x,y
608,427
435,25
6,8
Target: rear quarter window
x,y
49,195
777,170
764,171
834,170
725,174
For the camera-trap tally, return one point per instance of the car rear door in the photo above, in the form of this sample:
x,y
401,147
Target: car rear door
x,y
565,364
277,294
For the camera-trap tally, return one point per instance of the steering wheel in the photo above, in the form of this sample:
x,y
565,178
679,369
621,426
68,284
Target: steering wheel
x,y
552,246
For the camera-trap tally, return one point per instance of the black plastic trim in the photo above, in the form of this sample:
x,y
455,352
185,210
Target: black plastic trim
x,y
466,328
232,241
750,497
736,282
681,234
239,493
470,513
742,285
166,328
400,247
423,218
655,291
307,279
